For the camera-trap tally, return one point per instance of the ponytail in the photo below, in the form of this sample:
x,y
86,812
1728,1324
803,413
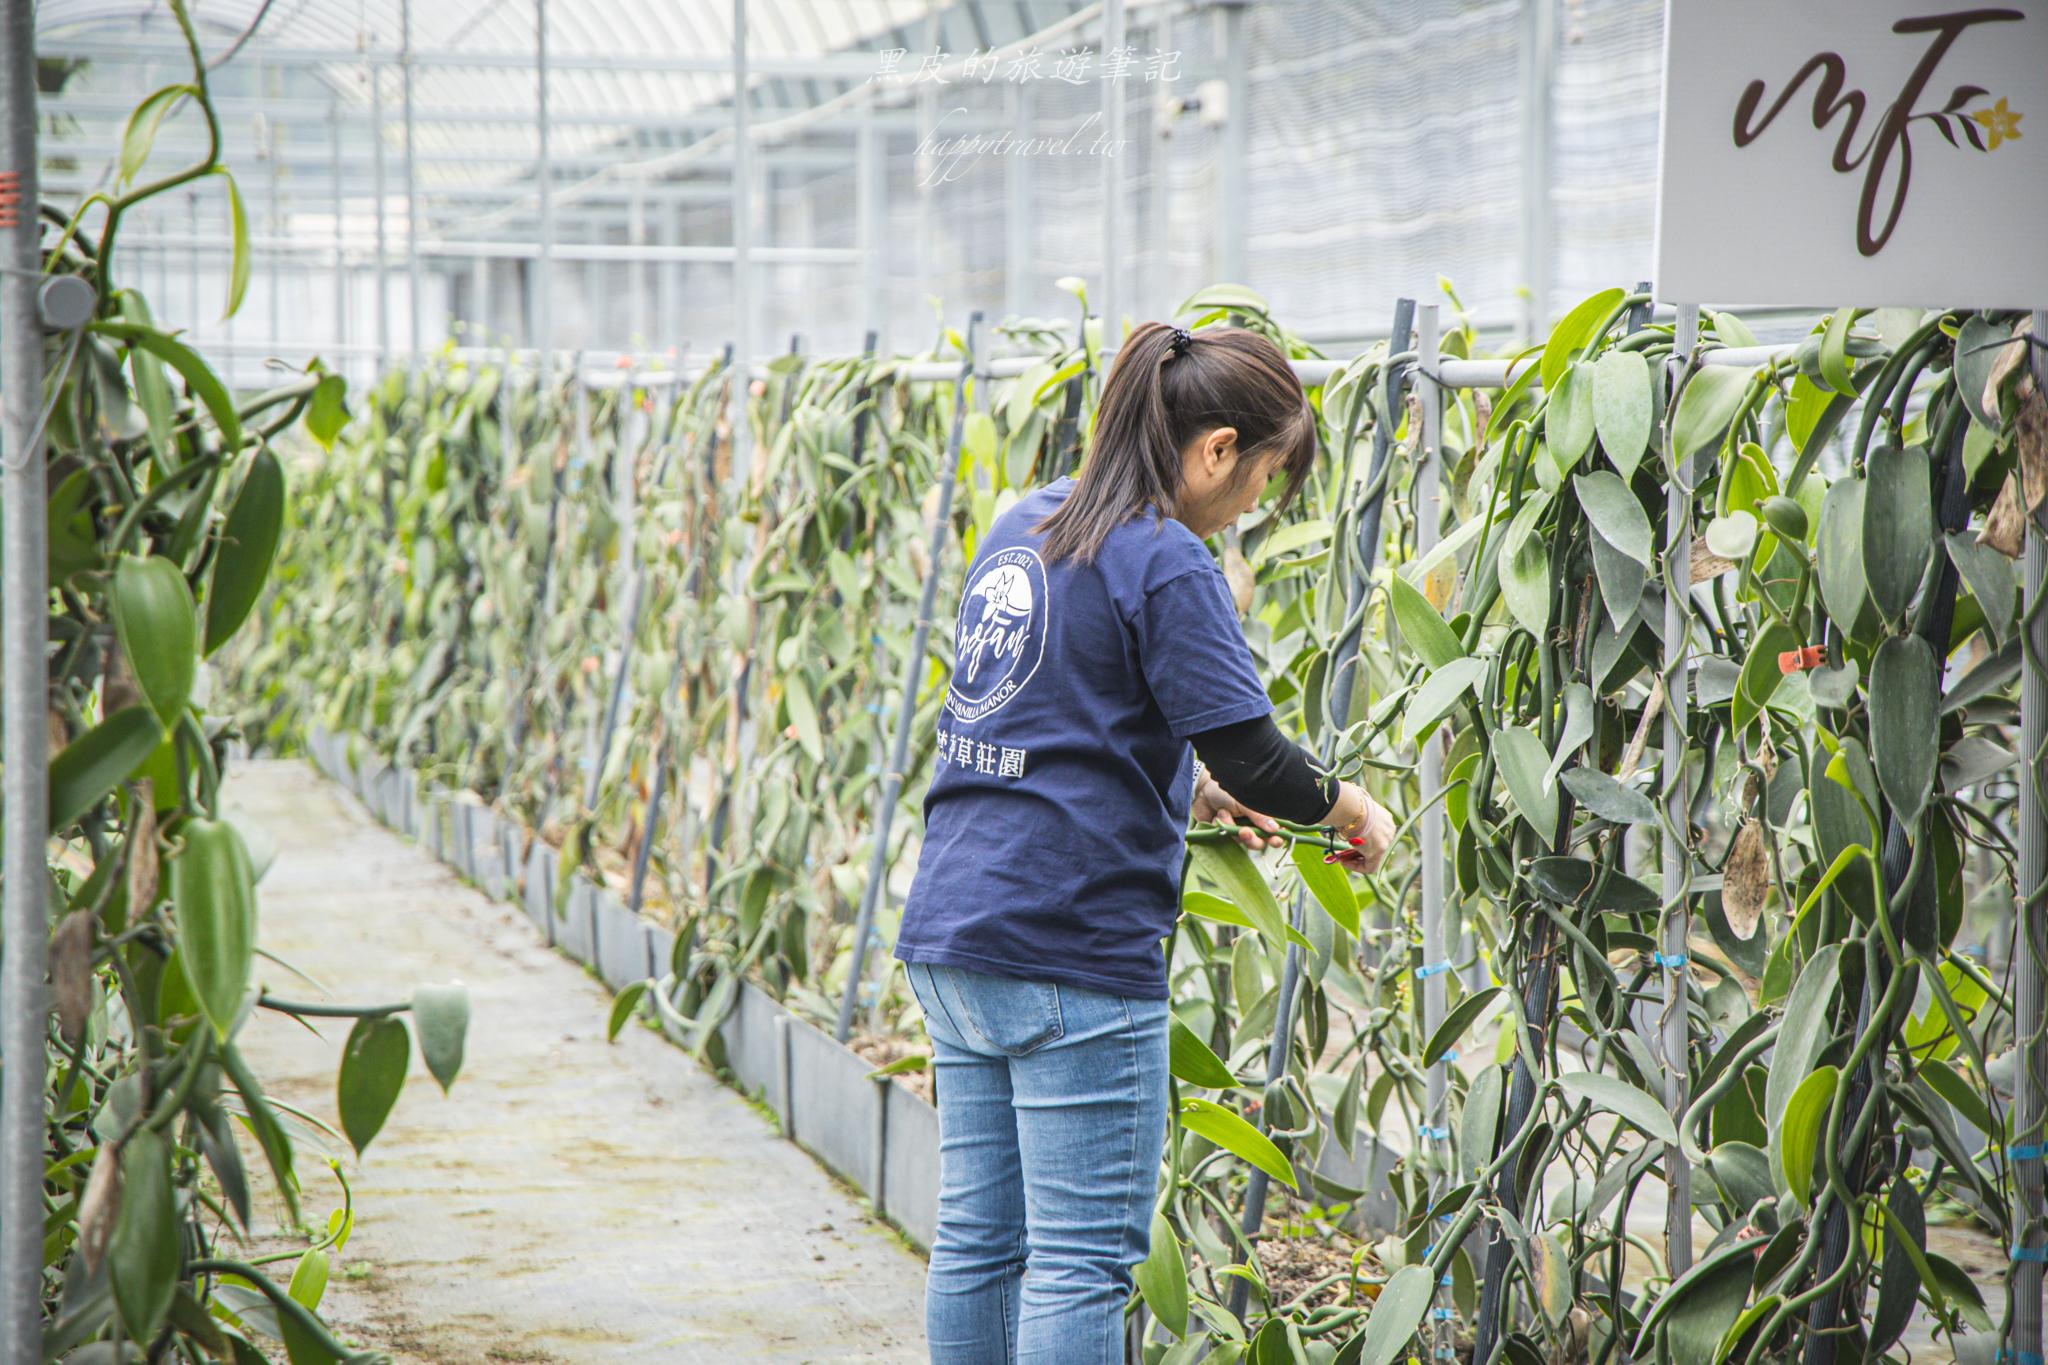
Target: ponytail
x,y
1165,388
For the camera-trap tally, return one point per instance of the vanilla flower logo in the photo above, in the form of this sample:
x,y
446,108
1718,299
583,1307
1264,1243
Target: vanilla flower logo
x,y
2000,123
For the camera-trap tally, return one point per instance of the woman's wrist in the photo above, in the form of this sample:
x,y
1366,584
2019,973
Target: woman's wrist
x,y
1349,816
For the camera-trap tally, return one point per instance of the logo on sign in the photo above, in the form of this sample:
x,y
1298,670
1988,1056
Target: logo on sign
x,y
1886,153
1001,635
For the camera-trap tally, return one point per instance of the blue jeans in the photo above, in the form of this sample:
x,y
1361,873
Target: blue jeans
x,y
1052,1120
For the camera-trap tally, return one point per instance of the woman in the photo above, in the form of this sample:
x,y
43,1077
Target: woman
x,y
1096,641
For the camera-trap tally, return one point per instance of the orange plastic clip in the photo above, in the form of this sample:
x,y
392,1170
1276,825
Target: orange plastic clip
x,y
1799,660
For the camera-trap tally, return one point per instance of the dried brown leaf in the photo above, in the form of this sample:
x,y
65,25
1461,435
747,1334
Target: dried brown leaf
x,y
1705,563
2005,525
1746,880
142,852
71,973
97,1207
1237,571
2009,360
2031,435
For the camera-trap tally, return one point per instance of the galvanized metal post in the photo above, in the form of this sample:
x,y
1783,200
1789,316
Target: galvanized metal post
x,y
1677,926
480,302
24,634
1159,230
742,244
274,216
1234,179
867,215
642,286
1021,105
541,314
412,213
2030,946
383,262
906,710
340,252
1111,304
1539,27
1430,760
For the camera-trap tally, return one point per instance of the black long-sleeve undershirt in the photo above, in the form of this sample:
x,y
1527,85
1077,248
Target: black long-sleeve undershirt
x,y
1257,764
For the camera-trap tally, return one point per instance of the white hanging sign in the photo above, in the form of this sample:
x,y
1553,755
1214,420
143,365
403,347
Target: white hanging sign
x,y
1874,152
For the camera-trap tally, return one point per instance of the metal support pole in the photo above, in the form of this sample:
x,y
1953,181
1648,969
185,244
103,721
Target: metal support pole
x,y
1234,178
642,285
1159,231
412,213
742,242
1113,42
1021,104
2030,946
274,215
1539,28
906,711
383,263
1434,1137
480,302
340,254
24,635
868,190
1677,927
541,318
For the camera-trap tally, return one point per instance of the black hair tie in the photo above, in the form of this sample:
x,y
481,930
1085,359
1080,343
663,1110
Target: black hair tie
x,y
1182,340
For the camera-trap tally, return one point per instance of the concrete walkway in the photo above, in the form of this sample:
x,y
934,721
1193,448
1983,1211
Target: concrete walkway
x,y
570,1200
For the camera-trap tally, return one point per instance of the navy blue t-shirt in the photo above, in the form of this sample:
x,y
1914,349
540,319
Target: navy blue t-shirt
x,y
1057,816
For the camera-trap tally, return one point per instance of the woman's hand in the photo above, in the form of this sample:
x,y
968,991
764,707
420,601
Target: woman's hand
x,y
1213,804
1363,824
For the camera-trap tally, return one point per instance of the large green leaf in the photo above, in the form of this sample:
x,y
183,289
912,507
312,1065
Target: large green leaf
x,y
1522,759
158,626
201,380
1328,883
152,388
1395,1315
214,891
248,545
1234,1135
1162,1278
1573,332
138,135
1898,525
1616,514
1990,578
1421,626
803,714
1839,541
1760,675
239,257
1905,736
1608,799
327,412
1525,583
1439,692
1805,1033
1191,1059
1568,422
1620,1098
145,1251
308,1286
1706,406
1455,1023
372,1073
441,1014
1623,407
99,760
1231,868
1796,1138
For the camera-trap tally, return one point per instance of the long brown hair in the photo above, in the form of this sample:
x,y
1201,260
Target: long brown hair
x,y
1166,388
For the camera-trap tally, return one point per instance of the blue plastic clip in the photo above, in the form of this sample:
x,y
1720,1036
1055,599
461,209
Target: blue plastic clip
x,y
1447,1055
2036,1254
1672,960
1430,1134
1428,970
2026,1151
1443,1314
874,708
2020,1357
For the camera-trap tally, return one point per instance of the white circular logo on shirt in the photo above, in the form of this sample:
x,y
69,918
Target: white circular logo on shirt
x,y
1001,635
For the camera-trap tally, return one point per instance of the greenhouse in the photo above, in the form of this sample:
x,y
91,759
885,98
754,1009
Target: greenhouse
x,y
1286,682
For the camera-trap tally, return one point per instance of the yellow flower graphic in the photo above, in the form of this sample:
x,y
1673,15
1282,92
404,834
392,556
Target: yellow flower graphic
x,y
2000,122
